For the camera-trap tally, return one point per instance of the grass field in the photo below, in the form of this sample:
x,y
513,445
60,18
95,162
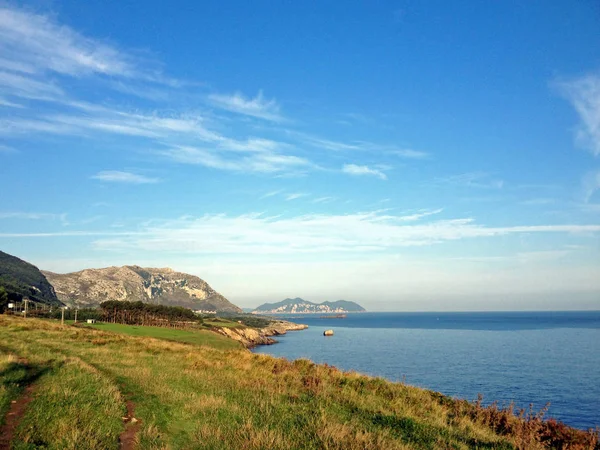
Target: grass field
x,y
197,337
220,322
190,396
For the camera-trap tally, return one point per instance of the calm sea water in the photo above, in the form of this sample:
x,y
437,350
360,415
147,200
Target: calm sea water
x,y
536,357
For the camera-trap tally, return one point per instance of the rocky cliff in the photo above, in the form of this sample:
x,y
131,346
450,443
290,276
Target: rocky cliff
x,y
251,337
90,287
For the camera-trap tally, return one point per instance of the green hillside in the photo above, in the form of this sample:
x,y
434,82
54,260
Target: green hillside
x,y
23,280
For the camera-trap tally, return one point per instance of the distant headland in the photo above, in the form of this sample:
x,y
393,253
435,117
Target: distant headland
x,y
301,306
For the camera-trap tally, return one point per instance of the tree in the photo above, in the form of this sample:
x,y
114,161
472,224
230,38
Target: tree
x,y
3,299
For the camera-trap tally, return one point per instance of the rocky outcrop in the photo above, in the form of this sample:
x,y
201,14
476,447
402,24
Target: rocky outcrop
x,y
283,326
248,337
90,287
251,337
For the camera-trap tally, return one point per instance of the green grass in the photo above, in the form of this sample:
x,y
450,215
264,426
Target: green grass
x,y
198,397
219,322
197,337
75,407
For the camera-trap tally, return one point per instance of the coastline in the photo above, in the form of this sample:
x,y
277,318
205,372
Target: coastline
x,y
504,356
225,393
252,337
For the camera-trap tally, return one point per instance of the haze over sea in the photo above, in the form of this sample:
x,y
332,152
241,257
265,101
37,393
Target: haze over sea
x,y
525,357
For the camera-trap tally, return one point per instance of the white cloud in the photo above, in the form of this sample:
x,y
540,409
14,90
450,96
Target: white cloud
x,y
419,215
591,184
36,43
115,176
323,199
32,216
584,95
256,162
295,196
409,153
256,107
27,87
538,201
353,169
326,143
472,179
271,194
41,58
9,104
315,233
362,146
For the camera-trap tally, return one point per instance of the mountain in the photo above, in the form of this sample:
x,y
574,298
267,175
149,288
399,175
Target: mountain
x,y
23,280
90,287
299,305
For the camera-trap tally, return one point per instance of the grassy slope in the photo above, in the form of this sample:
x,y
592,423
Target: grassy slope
x,y
220,322
199,337
191,396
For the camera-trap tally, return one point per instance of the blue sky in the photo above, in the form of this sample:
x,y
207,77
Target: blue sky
x,y
406,155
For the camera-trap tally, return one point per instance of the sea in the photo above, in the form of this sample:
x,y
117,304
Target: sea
x,y
529,358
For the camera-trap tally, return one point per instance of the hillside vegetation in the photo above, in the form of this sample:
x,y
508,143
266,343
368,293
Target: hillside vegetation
x,y
186,396
21,279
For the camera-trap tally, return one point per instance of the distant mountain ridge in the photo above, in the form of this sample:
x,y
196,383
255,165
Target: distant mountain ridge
x,y
21,279
90,287
299,305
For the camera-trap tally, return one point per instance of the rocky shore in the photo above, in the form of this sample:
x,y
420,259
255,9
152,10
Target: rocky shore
x,y
251,337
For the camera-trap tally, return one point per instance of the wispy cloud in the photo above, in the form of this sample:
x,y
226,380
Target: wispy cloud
x,y
295,196
591,184
271,194
9,104
115,176
42,60
354,169
419,215
319,233
326,144
258,106
359,146
256,162
36,43
323,199
538,201
472,179
409,153
584,95
33,216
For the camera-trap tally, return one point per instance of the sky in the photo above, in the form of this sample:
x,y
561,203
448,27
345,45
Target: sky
x,y
410,156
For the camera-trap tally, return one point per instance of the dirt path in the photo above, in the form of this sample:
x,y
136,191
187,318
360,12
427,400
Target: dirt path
x,y
15,414
127,439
